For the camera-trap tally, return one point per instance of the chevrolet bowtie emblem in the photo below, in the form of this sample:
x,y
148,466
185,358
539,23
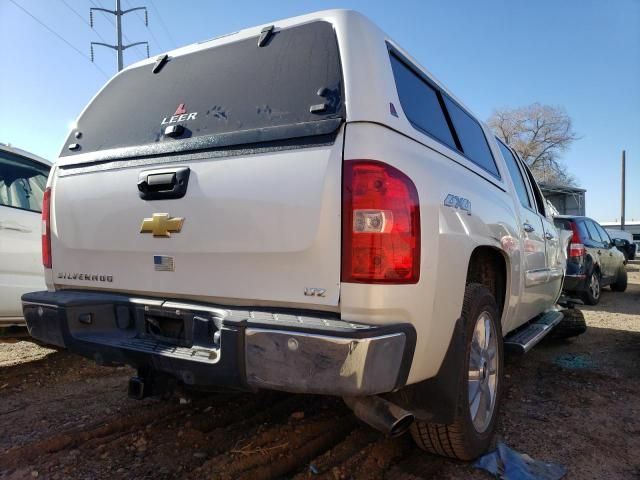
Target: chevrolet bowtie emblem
x,y
161,225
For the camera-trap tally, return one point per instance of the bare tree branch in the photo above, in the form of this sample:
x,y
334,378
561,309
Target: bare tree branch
x,y
539,133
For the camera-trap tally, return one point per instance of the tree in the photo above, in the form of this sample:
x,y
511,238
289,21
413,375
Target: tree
x,y
539,134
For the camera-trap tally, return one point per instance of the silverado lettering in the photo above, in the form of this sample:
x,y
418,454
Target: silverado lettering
x,y
85,277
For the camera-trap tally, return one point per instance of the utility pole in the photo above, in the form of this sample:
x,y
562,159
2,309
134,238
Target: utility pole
x,y
119,48
623,190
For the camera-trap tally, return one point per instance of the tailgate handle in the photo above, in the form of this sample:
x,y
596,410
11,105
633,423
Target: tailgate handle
x,y
161,181
162,184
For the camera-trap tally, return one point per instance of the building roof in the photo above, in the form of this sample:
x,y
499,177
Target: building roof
x,y
562,189
571,217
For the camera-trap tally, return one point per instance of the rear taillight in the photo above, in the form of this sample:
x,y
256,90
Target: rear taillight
x,y
576,247
46,228
380,224
576,250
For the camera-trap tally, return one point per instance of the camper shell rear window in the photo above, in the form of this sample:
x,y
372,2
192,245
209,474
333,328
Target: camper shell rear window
x,y
236,93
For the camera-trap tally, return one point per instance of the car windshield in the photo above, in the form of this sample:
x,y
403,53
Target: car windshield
x,y
22,182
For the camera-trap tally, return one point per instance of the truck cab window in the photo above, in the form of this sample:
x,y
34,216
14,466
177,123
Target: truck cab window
x,y
474,143
420,103
516,175
536,191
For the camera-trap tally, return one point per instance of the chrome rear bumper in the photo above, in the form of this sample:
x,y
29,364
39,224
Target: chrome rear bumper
x,y
223,346
310,363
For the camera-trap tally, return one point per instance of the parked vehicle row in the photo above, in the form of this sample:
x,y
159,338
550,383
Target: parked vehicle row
x,y
593,260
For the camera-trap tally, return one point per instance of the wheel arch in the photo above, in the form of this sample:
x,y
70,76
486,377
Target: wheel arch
x,y
491,267
591,264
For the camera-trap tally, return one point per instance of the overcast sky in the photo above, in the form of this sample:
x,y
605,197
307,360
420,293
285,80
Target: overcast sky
x,y
582,55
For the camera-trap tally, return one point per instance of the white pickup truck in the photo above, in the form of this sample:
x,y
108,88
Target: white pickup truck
x,y
301,207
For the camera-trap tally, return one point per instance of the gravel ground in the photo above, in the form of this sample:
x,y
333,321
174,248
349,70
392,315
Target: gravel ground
x,y
576,403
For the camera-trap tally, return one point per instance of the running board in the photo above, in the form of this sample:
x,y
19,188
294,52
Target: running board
x,y
524,339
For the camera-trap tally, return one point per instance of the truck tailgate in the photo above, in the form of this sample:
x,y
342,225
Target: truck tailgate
x,y
262,228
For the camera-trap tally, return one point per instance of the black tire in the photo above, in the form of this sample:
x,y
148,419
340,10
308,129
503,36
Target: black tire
x,y
572,325
461,439
591,296
620,285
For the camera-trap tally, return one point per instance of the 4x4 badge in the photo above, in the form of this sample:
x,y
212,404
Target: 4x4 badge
x,y
455,201
161,225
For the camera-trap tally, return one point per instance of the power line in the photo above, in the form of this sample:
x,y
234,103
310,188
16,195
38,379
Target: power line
x,y
79,52
103,13
119,47
150,31
99,5
82,18
126,39
155,39
175,45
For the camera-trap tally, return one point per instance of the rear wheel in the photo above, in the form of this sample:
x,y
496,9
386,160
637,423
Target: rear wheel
x,y
480,389
591,296
620,284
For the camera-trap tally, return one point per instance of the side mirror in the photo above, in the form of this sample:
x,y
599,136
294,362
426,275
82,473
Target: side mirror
x,y
618,242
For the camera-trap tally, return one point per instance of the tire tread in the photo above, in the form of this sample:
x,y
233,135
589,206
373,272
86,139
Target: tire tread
x,y
449,440
620,284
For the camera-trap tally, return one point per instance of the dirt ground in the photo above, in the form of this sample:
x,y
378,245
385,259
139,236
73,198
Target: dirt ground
x,y
575,403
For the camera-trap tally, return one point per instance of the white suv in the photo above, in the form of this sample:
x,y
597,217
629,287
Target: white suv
x,y
23,177
300,207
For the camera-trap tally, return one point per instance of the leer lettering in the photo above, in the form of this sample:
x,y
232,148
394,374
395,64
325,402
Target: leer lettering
x,y
185,117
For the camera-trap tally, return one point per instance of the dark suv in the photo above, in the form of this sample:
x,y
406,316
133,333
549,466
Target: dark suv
x,y
593,261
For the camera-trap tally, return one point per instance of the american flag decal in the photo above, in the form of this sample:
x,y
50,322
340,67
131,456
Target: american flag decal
x,y
162,263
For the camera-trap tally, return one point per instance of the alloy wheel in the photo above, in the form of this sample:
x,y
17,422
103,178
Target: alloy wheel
x,y
483,373
594,286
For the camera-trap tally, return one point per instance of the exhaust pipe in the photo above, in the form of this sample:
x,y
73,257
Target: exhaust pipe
x,y
381,414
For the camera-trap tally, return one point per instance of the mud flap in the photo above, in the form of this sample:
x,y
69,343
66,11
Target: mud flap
x,y
434,400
